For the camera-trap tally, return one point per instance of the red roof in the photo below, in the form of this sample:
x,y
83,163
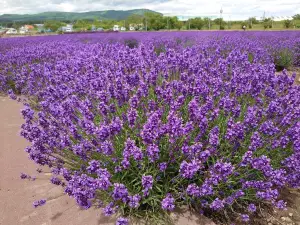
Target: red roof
x,y
29,27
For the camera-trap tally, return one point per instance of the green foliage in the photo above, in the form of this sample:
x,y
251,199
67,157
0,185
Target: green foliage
x,y
134,19
73,16
154,21
131,43
267,23
82,25
253,20
283,59
53,25
159,49
250,57
207,22
287,23
196,23
220,22
296,17
172,23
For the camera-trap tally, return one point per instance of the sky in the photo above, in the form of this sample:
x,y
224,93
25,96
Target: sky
x,y
232,9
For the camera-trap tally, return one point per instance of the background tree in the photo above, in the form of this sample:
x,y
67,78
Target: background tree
x,y
53,25
178,25
207,23
296,17
82,25
172,22
267,22
196,23
253,20
154,21
220,22
287,23
134,19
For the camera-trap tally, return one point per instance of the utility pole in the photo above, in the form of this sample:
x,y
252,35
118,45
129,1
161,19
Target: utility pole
x,y
221,11
209,23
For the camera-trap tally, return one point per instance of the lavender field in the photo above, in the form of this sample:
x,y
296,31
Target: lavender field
x,y
139,124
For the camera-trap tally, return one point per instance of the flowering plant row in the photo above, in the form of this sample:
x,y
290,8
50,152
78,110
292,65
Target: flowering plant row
x,y
190,121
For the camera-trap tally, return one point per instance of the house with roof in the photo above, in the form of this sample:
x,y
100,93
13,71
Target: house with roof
x,y
29,27
40,28
23,30
11,31
116,28
132,27
67,28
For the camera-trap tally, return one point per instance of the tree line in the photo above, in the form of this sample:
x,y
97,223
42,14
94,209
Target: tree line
x,y
154,21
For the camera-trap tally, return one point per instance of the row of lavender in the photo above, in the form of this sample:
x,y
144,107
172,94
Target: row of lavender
x,y
139,125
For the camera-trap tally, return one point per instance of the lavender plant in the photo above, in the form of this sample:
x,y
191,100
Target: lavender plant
x,y
143,133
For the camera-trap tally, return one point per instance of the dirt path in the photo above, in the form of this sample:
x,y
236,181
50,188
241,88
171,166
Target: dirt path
x,y
17,196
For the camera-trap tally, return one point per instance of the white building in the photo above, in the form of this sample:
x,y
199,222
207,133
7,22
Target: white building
x,y
123,28
67,28
23,30
11,31
116,28
131,28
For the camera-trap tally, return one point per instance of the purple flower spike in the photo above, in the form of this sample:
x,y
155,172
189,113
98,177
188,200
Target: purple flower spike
x,y
39,203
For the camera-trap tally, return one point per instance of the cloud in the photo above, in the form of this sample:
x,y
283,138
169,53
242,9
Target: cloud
x,y
234,9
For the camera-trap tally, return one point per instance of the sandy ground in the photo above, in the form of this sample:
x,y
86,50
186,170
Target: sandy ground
x,y
17,196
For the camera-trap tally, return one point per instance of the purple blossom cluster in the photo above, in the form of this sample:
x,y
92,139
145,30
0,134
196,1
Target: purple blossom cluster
x,y
189,120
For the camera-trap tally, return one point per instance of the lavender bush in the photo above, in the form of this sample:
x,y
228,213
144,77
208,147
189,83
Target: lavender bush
x,y
139,132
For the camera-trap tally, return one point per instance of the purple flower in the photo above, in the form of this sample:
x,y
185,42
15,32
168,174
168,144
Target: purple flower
x,y
55,180
163,166
280,205
11,94
256,142
122,221
39,203
251,208
152,152
23,176
214,137
193,190
147,182
107,147
188,170
134,201
168,203
245,217
109,209
120,192
93,166
217,204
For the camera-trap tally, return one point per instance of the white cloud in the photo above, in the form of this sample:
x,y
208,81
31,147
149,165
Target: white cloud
x,y
234,9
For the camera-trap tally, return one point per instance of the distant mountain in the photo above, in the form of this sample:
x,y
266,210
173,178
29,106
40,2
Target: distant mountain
x,y
71,16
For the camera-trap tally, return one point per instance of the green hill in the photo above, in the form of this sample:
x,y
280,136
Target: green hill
x,y
71,16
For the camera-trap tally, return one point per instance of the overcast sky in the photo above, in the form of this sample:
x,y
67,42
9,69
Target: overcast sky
x,y
234,9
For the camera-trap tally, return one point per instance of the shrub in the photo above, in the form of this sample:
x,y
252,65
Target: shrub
x,y
287,23
283,59
160,48
131,43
